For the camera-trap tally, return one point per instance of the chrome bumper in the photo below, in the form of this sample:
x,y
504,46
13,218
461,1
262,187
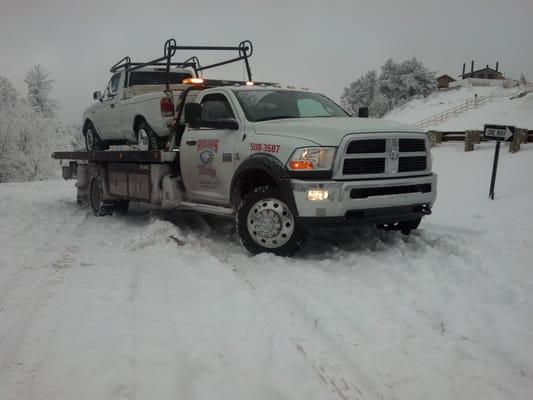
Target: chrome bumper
x,y
339,201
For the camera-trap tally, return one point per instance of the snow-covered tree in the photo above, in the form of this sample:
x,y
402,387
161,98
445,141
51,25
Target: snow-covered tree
x,y
360,93
39,88
380,106
401,82
8,94
523,80
418,80
395,85
29,133
390,84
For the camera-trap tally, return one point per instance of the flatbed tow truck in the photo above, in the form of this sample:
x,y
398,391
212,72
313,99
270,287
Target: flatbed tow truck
x,y
279,161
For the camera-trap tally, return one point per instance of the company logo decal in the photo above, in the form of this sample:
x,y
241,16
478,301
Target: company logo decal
x,y
211,144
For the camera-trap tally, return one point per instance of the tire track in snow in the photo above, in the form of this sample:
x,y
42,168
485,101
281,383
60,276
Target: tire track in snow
x,y
313,349
29,290
319,349
331,373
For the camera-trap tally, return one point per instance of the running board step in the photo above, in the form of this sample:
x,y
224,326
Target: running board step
x,y
206,208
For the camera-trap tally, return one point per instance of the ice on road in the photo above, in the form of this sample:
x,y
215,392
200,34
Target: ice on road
x,y
117,308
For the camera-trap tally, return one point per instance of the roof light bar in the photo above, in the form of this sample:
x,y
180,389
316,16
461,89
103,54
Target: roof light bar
x,y
193,81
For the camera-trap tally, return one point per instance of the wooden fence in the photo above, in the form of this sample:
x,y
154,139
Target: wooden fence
x,y
468,104
472,137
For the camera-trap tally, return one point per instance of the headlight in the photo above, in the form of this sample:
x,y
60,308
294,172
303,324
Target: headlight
x,y
312,158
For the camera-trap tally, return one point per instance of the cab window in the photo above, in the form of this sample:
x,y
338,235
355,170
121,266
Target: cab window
x,y
112,87
216,106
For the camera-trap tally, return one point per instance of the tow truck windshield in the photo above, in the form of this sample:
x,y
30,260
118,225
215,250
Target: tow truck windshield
x,y
265,105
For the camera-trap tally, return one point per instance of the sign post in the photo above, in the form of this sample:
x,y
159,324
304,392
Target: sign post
x,y
494,169
499,133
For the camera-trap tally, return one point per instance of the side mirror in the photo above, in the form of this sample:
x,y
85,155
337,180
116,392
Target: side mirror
x,y
97,95
363,112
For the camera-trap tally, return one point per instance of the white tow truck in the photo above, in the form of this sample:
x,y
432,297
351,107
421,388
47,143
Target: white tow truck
x,y
279,161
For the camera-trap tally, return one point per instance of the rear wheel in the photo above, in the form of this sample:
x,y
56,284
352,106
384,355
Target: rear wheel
x,y
100,206
146,138
266,224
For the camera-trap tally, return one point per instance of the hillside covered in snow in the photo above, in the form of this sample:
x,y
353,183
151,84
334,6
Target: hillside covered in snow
x,y
500,110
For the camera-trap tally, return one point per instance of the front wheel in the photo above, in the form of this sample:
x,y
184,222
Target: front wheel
x,y
267,225
92,140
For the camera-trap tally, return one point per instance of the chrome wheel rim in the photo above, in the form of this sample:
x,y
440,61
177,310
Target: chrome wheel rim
x,y
270,223
143,142
89,137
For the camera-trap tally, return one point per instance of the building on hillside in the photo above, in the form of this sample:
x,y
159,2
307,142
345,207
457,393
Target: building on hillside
x,y
443,81
483,73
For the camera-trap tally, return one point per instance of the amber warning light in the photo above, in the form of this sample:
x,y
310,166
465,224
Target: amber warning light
x,y
300,164
193,81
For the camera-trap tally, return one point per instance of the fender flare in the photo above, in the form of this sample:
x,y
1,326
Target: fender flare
x,y
274,168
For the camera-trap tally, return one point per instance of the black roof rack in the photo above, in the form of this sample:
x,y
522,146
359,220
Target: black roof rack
x,y
244,50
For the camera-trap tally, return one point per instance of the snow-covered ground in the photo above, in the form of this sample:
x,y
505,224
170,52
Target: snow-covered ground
x,y
501,110
113,308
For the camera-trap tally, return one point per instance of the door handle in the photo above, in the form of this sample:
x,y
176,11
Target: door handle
x,y
191,142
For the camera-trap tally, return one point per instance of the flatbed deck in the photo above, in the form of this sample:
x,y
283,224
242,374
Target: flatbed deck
x,y
151,156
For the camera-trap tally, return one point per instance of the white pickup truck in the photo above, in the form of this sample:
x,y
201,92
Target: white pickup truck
x,y
135,108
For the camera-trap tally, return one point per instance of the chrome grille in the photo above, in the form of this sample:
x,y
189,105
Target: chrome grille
x,y
382,155
409,164
366,146
412,145
353,166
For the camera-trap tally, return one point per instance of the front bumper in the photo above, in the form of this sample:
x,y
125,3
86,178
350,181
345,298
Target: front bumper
x,y
382,207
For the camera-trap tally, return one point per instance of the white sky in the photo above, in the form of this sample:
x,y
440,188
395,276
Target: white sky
x,y
323,45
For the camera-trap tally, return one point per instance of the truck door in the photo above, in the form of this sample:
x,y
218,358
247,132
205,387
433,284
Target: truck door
x,y
207,154
107,121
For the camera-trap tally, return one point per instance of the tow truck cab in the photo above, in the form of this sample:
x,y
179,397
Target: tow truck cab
x,y
329,168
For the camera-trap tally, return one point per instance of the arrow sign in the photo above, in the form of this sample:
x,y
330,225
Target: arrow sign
x,y
502,133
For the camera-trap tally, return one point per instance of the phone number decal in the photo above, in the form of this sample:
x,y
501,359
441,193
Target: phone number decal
x,y
264,147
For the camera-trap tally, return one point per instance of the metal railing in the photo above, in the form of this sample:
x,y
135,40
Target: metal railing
x,y
468,104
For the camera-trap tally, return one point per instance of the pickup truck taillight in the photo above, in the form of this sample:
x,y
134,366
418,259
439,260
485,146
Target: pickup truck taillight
x,y
167,107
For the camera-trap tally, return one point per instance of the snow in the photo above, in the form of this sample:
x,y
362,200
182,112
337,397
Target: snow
x,y
501,110
112,307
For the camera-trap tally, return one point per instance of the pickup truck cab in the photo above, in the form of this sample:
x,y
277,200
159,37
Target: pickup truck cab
x,y
129,111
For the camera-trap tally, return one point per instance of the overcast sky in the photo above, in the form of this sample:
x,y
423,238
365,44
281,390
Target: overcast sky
x,y
323,45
